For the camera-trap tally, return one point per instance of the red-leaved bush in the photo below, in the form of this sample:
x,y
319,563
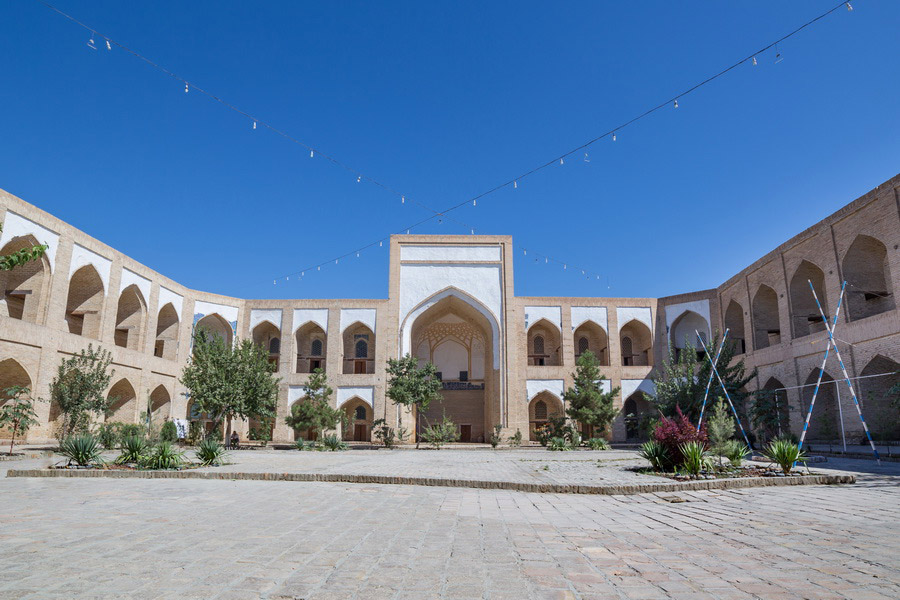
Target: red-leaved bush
x,y
671,433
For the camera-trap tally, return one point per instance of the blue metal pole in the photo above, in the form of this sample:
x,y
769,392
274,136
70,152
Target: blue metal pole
x,y
709,383
727,397
837,353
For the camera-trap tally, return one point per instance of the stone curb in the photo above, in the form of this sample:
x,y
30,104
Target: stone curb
x,y
549,488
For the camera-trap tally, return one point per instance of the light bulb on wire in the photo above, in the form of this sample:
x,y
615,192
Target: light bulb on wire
x,y
676,104
108,46
90,43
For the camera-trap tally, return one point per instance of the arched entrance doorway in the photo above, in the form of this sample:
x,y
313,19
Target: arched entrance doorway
x,y
359,420
457,335
541,409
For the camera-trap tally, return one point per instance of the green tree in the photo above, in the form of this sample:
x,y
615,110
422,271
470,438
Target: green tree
x,y
682,380
17,414
8,262
412,387
77,390
719,427
314,411
586,401
229,382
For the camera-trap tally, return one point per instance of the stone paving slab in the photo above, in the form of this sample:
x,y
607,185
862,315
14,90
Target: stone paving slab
x,y
169,538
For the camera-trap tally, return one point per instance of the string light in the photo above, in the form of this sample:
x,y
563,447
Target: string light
x,y
474,202
515,185
358,179
402,199
439,214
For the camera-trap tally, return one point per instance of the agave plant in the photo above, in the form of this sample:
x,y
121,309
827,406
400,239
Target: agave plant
x,y
163,456
598,444
211,452
785,454
559,444
735,451
81,449
134,447
333,443
656,454
695,457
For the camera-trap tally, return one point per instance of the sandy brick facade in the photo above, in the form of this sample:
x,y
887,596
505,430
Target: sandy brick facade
x,y
505,359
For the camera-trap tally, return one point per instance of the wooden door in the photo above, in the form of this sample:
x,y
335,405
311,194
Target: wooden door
x,y
359,432
465,433
359,367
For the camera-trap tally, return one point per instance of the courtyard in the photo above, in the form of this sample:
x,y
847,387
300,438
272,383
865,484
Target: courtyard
x,y
109,538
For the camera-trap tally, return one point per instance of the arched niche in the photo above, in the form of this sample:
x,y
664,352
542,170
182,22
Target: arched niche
x,y
123,402
634,410
868,275
216,325
359,420
311,344
25,287
734,323
11,374
806,316
544,344
778,418
268,336
591,336
541,409
636,344
766,320
160,403
684,330
84,302
167,325
881,375
359,349
130,317
824,425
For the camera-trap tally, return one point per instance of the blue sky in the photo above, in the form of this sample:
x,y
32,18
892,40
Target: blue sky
x,y
442,101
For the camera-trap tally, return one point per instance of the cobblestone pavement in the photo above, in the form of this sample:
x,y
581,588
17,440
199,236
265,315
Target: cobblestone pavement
x,y
105,538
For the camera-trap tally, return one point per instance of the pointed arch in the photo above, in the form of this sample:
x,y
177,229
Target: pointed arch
x,y
311,347
823,425
359,349
267,335
24,289
778,418
734,323
589,335
123,402
544,344
634,411
84,303
544,406
160,403
167,325
877,398
766,319
359,420
130,316
636,343
12,374
215,324
684,330
868,276
804,312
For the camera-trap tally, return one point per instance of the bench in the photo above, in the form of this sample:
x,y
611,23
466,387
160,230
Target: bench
x,y
251,445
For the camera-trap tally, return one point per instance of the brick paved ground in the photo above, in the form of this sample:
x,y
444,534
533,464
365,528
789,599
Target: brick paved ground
x,y
243,539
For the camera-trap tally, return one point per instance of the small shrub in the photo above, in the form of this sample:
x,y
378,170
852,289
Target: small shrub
x,y
194,434
130,430
169,432
672,433
332,443
211,452
785,454
735,451
440,433
598,444
305,445
386,434
163,456
81,449
496,438
656,453
558,444
133,449
108,435
695,457
574,438
515,440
